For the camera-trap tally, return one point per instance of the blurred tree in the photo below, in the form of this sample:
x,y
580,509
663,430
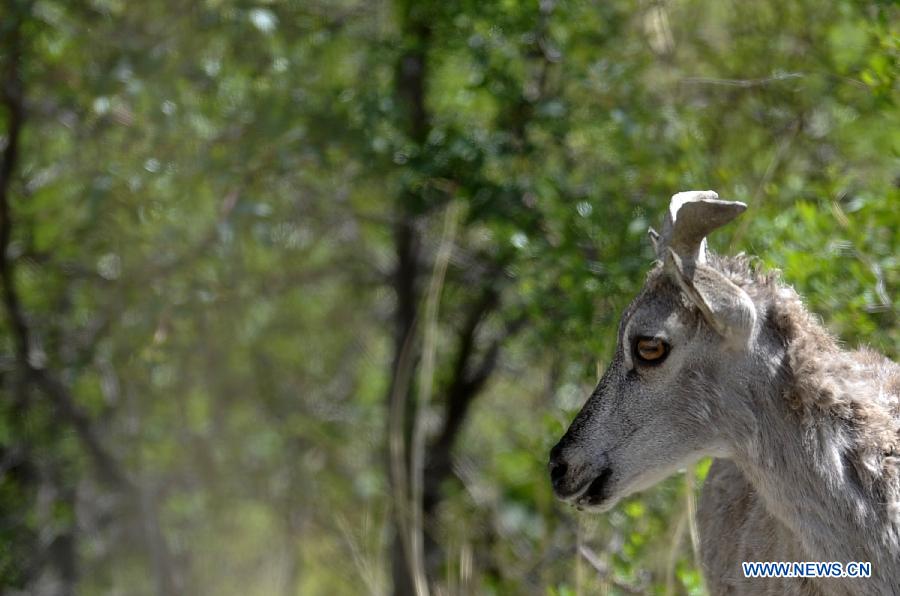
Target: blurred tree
x,y
286,283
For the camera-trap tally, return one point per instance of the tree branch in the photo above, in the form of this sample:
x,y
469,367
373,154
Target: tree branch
x,y
467,382
109,469
14,103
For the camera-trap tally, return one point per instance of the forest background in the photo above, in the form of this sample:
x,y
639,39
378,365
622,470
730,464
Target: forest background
x,y
297,295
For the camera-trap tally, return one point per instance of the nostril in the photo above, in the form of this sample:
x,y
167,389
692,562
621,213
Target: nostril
x,y
558,470
558,465
556,453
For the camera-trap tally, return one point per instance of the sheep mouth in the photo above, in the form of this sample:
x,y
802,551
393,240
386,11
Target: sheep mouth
x,y
597,491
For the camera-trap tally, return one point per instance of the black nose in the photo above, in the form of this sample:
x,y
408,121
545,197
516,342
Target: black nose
x,y
558,466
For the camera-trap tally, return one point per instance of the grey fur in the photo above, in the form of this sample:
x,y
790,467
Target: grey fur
x,y
806,435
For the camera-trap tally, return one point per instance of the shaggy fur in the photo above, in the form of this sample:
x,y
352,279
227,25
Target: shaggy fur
x,y
860,389
843,419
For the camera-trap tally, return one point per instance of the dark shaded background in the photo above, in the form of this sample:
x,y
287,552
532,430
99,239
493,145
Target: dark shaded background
x,y
297,295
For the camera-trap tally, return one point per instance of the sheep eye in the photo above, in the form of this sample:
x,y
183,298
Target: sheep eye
x,y
651,349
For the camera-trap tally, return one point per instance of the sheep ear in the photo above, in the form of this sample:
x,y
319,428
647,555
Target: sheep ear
x,y
727,308
654,240
692,215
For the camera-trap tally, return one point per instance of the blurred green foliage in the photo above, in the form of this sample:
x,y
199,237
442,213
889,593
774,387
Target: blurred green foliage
x,y
221,212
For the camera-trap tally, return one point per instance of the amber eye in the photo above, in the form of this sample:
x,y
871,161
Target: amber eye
x,y
651,349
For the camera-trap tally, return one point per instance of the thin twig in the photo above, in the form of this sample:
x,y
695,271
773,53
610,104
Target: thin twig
x,y
675,547
690,479
426,384
777,78
777,159
744,83
604,571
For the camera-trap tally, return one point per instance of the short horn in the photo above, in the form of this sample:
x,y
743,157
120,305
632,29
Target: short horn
x,y
692,216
